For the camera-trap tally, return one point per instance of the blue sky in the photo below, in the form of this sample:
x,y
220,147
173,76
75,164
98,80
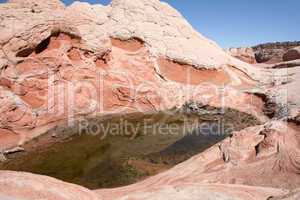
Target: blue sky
x,y
239,22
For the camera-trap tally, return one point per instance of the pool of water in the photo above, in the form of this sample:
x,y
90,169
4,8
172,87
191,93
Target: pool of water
x,y
134,147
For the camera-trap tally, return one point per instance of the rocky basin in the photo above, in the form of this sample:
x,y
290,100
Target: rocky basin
x,y
81,85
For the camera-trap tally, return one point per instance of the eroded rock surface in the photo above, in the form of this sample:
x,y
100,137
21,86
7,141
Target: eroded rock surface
x,y
18,185
273,52
93,59
292,54
269,53
245,54
266,156
25,186
59,64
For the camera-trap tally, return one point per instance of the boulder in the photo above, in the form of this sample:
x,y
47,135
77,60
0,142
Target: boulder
x,y
292,54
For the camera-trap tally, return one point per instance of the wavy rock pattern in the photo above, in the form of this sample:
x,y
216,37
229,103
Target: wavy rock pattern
x,y
74,62
59,63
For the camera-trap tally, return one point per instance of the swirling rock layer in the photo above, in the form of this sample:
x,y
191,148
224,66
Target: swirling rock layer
x,y
60,63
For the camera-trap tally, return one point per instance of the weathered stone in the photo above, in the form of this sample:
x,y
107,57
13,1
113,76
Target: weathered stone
x,y
18,185
38,5
2,157
272,52
253,159
60,63
292,54
245,54
49,55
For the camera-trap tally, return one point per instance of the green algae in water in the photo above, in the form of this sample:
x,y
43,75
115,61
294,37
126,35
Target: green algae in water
x,y
93,162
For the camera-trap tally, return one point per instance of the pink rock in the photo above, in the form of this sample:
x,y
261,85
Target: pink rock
x,y
245,54
60,63
18,185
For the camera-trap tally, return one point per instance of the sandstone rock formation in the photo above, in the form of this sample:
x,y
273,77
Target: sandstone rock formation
x,y
273,52
17,185
290,196
258,156
292,54
287,64
222,172
25,186
245,54
59,64
269,53
92,59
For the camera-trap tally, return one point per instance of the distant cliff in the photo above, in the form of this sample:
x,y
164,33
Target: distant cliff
x,y
263,53
273,52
